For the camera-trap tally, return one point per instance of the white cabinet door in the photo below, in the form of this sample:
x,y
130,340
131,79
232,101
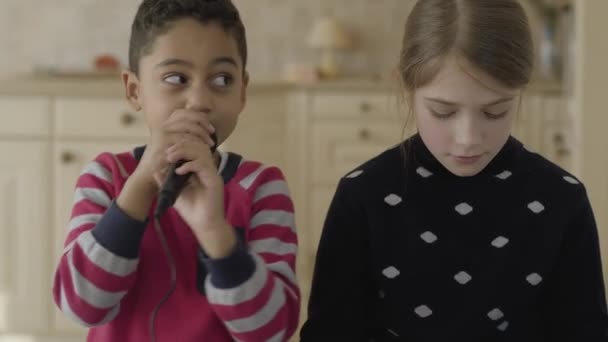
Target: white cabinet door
x,y
25,232
337,147
260,131
69,158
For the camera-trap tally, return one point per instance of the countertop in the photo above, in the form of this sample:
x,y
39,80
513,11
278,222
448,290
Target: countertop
x,y
111,86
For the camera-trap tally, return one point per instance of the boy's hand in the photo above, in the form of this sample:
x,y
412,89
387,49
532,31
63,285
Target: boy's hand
x,y
201,202
182,124
143,185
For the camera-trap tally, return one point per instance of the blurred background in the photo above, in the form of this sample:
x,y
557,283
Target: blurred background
x,y
323,98
69,34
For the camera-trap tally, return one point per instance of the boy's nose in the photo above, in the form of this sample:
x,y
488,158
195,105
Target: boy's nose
x,y
199,100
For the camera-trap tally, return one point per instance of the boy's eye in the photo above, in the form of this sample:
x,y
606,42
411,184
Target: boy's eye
x,y
222,81
175,79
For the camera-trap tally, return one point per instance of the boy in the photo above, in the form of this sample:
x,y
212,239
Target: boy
x,y
219,265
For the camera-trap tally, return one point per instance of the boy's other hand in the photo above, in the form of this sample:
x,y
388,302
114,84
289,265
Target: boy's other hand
x,y
201,202
181,125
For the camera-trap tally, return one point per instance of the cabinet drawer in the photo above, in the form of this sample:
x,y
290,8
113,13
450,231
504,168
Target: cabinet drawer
x,y
260,142
25,116
338,147
354,105
101,118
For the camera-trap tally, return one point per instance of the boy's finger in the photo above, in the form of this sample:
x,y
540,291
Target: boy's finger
x,y
194,117
196,166
189,149
185,127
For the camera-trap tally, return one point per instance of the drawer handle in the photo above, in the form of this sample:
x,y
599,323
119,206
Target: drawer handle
x,y
364,134
67,157
127,119
365,107
560,143
558,139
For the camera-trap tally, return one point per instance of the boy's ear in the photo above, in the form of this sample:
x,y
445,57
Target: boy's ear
x,y
131,84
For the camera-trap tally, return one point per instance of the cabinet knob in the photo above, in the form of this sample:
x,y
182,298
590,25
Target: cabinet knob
x,y
364,134
558,139
365,107
127,119
67,157
562,149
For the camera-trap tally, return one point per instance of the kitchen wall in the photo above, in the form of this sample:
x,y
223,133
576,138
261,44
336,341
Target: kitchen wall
x,y
68,33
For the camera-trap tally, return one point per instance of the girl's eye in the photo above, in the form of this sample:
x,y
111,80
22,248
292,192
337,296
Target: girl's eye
x,y
442,115
496,116
175,79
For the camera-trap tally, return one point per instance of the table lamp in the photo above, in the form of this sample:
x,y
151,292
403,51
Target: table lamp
x,y
328,36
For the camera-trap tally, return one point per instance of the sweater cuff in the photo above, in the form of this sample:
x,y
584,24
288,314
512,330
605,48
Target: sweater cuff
x,y
231,271
119,233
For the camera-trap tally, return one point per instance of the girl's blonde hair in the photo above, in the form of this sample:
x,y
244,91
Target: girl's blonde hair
x,y
492,36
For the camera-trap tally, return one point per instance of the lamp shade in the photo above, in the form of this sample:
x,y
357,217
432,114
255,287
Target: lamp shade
x,y
327,33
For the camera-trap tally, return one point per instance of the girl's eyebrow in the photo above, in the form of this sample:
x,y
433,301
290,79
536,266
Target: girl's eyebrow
x,y
449,103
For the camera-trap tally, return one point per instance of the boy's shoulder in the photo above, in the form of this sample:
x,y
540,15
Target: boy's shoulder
x,y
249,174
114,164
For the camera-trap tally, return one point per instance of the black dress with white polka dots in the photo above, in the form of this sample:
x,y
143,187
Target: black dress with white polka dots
x,y
411,252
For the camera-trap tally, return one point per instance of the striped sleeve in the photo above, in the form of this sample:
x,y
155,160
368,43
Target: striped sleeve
x,y
99,260
254,290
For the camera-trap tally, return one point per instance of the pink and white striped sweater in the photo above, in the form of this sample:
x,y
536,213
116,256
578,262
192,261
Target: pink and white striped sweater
x,y
113,272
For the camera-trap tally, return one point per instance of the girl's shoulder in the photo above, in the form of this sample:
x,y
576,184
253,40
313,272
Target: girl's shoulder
x,y
385,170
544,177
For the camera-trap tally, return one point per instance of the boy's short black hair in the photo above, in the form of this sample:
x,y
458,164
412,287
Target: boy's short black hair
x,y
154,18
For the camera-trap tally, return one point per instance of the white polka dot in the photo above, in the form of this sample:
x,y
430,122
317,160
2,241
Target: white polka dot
x,y
534,279
355,174
495,314
464,209
424,173
571,180
536,207
423,311
504,175
500,242
392,199
463,277
391,272
428,237
503,326
392,332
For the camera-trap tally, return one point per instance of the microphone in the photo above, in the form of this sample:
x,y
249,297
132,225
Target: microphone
x,y
173,185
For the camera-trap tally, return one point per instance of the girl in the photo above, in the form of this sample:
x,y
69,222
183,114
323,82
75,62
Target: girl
x,y
460,233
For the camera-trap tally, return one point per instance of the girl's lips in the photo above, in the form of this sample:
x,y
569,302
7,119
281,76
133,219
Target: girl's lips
x,y
468,159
